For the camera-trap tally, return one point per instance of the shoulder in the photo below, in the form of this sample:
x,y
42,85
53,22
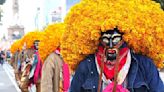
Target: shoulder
x,y
87,60
52,56
144,61
141,57
50,59
86,63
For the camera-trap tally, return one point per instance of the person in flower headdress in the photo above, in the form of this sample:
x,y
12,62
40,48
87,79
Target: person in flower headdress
x,y
31,63
55,72
111,46
16,50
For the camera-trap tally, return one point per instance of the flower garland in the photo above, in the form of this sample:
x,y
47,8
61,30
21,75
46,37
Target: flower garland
x,y
51,41
141,21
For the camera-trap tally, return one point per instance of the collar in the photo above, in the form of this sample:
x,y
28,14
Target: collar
x,y
121,75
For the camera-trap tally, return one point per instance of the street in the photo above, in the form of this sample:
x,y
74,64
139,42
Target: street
x,y
7,79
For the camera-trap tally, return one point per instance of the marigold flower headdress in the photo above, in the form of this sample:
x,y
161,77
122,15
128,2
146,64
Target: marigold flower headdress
x,y
30,37
17,45
141,21
51,41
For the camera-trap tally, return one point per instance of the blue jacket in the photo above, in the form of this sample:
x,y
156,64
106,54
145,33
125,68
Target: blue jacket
x,y
143,76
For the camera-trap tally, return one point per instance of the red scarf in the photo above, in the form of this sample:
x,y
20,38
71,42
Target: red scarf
x,y
109,74
37,73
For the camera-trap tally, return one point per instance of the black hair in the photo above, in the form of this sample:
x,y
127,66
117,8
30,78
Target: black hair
x,y
112,31
36,41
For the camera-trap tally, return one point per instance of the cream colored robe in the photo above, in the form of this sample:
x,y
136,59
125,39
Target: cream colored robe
x,y
52,73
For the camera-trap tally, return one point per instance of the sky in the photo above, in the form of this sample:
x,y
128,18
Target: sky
x,y
28,13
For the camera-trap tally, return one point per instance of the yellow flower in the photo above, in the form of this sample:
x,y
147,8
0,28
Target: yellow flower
x,y
142,22
17,45
51,39
30,37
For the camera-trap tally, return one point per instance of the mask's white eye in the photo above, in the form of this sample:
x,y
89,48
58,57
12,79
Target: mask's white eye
x,y
105,40
106,35
116,39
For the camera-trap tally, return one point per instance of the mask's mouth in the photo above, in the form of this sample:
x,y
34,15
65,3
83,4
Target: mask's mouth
x,y
111,55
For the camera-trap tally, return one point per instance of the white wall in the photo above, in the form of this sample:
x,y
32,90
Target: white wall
x,y
7,17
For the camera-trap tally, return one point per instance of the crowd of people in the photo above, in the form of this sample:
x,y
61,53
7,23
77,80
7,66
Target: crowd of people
x,y
4,56
102,46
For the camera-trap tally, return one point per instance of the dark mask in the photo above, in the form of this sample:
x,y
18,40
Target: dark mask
x,y
111,41
36,44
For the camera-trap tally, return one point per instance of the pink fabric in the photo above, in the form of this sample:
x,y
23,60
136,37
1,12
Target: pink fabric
x,y
119,88
37,73
66,77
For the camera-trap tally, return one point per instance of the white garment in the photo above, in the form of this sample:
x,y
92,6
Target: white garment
x,y
121,75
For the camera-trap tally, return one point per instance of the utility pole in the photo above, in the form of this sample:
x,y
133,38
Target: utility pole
x,y
1,16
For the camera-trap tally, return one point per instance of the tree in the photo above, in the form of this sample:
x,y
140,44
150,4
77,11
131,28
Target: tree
x,y
2,2
1,14
161,2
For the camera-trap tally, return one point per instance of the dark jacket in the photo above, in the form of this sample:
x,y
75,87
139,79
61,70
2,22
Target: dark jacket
x,y
143,76
2,55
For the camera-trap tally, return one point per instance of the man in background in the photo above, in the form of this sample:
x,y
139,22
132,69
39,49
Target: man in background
x,y
2,57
